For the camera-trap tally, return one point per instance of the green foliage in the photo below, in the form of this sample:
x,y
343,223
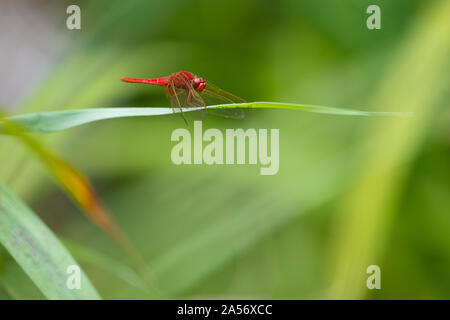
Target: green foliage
x,y
37,251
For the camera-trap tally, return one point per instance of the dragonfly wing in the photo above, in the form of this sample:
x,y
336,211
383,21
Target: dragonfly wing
x,y
222,94
216,95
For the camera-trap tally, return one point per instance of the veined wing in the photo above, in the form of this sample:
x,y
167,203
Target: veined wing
x,y
216,95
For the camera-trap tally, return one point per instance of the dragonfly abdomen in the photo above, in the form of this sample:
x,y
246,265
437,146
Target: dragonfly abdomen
x,y
158,81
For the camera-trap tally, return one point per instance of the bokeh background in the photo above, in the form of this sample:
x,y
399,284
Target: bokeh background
x,y
351,191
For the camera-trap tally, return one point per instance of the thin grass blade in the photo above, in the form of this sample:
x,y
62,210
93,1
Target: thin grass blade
x,y
37,250
53,121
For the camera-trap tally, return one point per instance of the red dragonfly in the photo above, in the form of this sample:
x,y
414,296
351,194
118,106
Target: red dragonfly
x,y
195,89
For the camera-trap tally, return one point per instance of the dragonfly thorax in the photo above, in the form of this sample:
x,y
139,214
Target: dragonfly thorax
x,y
179,80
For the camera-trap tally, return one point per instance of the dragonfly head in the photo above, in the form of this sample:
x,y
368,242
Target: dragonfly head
x,y
199,84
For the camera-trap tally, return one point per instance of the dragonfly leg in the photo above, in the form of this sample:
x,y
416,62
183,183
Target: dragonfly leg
x,y
171,101
171,104
170,95
178,101
199,99
189,100
188,96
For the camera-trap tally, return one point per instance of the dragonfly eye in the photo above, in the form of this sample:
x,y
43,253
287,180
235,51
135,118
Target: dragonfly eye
x,y
199,84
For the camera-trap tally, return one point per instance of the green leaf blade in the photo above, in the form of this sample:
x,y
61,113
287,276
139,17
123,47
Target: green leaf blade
x,y
37,250
53,121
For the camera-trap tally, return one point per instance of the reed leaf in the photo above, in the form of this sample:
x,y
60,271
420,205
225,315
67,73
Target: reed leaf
x,y
53,121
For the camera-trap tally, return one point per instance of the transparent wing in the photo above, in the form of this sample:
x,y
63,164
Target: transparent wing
x,y
214,95
222,94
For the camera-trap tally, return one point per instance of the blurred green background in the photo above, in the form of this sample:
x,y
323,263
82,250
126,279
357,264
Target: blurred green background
x,y
351,192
